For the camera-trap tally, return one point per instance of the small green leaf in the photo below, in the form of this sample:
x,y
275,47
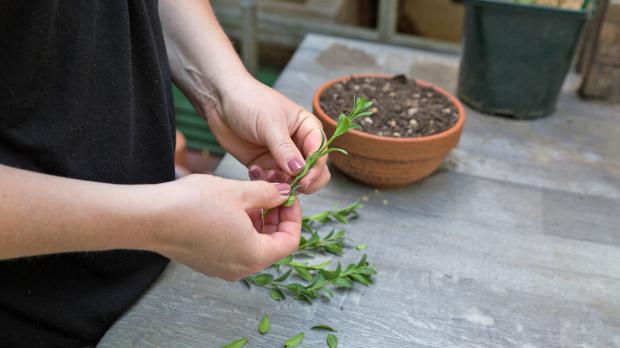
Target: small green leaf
x,y
295,288
342,127
294,341
317,284
263,279
360,279
344,283
285,261
276,294
264,325
323,327
284,276
332,341
321,265
303,273
361,247
334,249
236,344
334,149
362,261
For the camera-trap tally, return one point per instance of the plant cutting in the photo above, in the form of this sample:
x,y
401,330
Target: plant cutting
x,y
414,126
316,279
345,123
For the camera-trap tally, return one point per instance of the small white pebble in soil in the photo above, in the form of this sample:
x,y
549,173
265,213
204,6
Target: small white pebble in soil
x,y
412,111
386,87
431,121
386,202
365,198
374,109
392,123
447,111
367,120
356,87
413,123
417,95
409,131
379,133
396,134
338,86
335,96
392,94
429,94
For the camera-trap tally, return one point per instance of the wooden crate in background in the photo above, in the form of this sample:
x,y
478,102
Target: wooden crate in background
x,y
601,66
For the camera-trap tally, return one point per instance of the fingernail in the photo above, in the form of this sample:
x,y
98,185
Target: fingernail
x,y
254,173
283,189
295,165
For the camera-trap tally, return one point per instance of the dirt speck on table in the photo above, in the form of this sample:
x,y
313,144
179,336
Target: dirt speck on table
x,y
402,108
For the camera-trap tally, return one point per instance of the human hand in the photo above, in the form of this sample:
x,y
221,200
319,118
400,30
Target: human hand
x,y
267,132
214,225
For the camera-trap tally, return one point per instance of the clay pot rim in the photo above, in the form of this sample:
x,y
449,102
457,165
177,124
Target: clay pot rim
x,y
405,140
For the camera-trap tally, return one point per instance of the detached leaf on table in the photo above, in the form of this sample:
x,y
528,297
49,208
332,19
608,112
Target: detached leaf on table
x,y
236,344
294,341
265,325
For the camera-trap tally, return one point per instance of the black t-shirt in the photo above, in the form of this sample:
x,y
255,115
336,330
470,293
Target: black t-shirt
x,y
85,93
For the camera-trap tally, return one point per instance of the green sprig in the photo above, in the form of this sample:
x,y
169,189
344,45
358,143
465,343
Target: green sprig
x,y
319,281
345,123
342,215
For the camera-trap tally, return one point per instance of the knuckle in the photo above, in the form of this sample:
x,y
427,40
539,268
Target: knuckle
x,y
285,147
266,189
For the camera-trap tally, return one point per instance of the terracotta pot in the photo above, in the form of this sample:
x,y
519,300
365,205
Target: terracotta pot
x,y
382,161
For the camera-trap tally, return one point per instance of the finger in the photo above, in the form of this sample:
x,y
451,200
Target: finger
x,y
283,149
261,194
283,242
312,184
272,175
257,218
273,217
312,133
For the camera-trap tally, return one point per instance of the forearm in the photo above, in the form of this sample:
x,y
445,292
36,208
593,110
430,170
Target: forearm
x,y
43,214
202,59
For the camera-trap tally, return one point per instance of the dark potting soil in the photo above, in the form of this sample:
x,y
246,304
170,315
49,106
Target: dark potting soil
x,y
402,108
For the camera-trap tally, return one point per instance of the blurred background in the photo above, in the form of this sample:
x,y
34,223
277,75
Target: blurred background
x,y
267,32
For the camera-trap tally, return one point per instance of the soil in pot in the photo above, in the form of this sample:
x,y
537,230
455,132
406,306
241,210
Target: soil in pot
x,y
402,108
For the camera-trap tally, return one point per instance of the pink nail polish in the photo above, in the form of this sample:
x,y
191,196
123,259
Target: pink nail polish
x,y
295,165
254,173
283,189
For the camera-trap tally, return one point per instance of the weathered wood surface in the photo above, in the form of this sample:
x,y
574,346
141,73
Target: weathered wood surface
x,y
515,242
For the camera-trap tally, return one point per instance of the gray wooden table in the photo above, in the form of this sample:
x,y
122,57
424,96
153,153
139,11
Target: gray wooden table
x,y
515,242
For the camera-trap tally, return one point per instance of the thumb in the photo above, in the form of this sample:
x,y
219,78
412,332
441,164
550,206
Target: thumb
x,y
262,194
283,149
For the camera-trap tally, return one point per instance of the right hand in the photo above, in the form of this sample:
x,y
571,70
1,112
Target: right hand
x,y
215,226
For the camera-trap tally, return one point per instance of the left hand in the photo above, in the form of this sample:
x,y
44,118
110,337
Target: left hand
x,y
267,132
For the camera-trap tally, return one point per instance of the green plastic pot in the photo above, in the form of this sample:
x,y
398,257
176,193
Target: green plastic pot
x,y
515,57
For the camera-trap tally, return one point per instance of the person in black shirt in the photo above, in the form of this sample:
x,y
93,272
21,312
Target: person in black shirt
x,y
89,211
